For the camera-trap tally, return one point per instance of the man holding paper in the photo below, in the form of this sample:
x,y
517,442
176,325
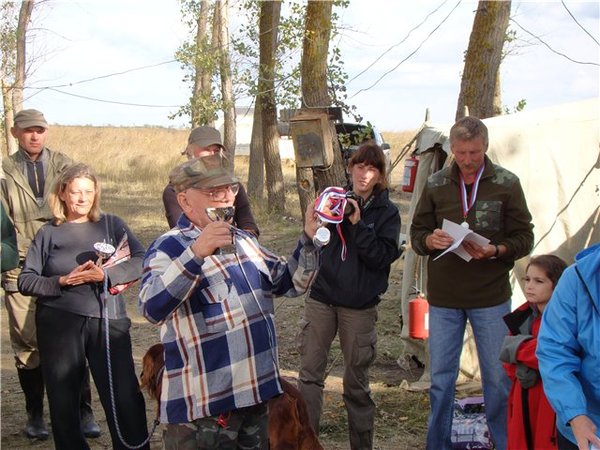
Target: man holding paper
x,y
470,281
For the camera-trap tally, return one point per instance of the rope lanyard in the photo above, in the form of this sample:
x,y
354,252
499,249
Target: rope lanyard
x,y
468,202
110,378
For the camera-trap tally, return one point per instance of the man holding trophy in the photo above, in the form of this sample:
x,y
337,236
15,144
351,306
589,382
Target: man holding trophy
x,y
210,286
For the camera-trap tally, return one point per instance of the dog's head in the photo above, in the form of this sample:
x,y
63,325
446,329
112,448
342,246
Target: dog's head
x,y
153,364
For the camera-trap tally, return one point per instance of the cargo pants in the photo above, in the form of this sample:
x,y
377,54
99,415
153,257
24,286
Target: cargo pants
x,y
244,428
358,339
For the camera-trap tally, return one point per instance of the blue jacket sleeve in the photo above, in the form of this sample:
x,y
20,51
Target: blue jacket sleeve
x,y
559,350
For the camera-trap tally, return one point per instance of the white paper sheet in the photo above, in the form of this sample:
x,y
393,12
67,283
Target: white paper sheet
x,y
460,234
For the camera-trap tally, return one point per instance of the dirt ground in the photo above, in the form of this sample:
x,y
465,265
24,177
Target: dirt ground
x,y
397,426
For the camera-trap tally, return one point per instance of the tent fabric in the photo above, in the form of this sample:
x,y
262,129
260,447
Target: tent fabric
x,y
555,152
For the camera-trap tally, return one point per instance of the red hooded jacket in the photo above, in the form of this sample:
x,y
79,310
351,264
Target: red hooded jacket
x,y
531,419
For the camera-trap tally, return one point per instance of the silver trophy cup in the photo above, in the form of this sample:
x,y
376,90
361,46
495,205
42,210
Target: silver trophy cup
x,y
224,213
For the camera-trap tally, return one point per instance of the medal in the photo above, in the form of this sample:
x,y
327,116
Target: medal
x,y
103,251
467,203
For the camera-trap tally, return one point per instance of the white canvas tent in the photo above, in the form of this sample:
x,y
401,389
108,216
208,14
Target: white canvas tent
x,y
556,154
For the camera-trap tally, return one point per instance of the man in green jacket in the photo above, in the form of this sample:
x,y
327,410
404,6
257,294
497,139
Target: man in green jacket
x,y
28,176
489,200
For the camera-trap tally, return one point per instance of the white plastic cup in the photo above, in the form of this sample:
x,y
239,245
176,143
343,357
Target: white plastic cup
x,y
321,237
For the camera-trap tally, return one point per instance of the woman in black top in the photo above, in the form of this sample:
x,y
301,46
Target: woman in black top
x,y
343,299
62,270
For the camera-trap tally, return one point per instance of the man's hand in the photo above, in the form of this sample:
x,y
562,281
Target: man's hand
x,y
214,235
438,240
87,272
478,251
585,432
310,221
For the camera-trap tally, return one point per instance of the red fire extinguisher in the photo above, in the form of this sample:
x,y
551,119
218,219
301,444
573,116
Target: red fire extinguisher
x,y
418,317
410,173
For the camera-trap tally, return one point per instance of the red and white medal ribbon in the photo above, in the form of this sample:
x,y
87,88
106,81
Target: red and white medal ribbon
x,y
329,206
467,203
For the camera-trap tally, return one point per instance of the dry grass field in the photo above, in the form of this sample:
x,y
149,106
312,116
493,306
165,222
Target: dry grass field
x,y
133,164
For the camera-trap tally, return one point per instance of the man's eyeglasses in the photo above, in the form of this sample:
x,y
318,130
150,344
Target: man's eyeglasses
x,y
220,193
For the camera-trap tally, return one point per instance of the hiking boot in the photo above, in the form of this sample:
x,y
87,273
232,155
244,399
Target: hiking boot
x,y
36,428
90,428
32,383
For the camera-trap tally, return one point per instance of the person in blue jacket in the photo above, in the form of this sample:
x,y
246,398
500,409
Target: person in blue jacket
x,y
569,352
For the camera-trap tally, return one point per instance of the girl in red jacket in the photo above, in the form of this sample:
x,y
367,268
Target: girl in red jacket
x,y
531,420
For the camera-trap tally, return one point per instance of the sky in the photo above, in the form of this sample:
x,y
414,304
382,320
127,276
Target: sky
x,y
108,62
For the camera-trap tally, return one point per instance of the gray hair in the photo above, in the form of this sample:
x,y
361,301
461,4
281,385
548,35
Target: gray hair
x,y
469,128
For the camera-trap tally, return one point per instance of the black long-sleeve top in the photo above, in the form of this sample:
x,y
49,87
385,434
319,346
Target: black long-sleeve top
x,y
58,249
372,246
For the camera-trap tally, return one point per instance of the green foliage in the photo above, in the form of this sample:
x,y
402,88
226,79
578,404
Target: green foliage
x,y
356,137
9,16
520,106
198,58
244,53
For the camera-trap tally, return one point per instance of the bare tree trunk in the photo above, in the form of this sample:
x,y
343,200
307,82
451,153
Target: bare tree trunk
x,y
315,94
482,61
229,115
497,106
269,22
20,69
256,168
202,78
9,118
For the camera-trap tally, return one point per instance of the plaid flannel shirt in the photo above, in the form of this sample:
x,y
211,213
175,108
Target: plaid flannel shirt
x,y
217,320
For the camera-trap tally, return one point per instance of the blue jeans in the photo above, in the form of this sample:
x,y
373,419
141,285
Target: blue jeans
x,y
446,332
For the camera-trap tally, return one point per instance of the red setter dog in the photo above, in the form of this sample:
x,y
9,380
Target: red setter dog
x,y
288,417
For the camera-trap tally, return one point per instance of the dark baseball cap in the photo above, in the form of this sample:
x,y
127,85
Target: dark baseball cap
x,y
205,136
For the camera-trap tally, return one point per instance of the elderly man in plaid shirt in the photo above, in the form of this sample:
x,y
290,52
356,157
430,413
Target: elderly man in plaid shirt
x,y
215,308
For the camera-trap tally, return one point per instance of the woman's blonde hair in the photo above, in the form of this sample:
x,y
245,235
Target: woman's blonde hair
x,y
58,207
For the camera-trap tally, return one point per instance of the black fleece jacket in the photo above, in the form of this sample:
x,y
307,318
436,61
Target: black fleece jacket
x,y
372,246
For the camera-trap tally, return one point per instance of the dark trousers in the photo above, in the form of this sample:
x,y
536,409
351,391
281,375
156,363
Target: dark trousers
x,y
65,342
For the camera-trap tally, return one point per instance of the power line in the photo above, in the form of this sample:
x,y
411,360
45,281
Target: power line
x,y
100,77
551,49
580,26
110,101
399,43
409,56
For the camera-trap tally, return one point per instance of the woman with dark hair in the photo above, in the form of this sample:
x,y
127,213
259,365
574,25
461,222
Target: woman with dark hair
x,y
531,419
343,299
63,271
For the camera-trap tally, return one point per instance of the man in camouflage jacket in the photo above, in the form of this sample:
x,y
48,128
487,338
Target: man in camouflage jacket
x,y
489,200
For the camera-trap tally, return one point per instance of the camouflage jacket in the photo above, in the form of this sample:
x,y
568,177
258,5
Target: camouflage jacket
x,y
500,214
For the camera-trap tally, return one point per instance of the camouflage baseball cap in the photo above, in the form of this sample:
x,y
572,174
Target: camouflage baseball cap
x,y
204,173
29,118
